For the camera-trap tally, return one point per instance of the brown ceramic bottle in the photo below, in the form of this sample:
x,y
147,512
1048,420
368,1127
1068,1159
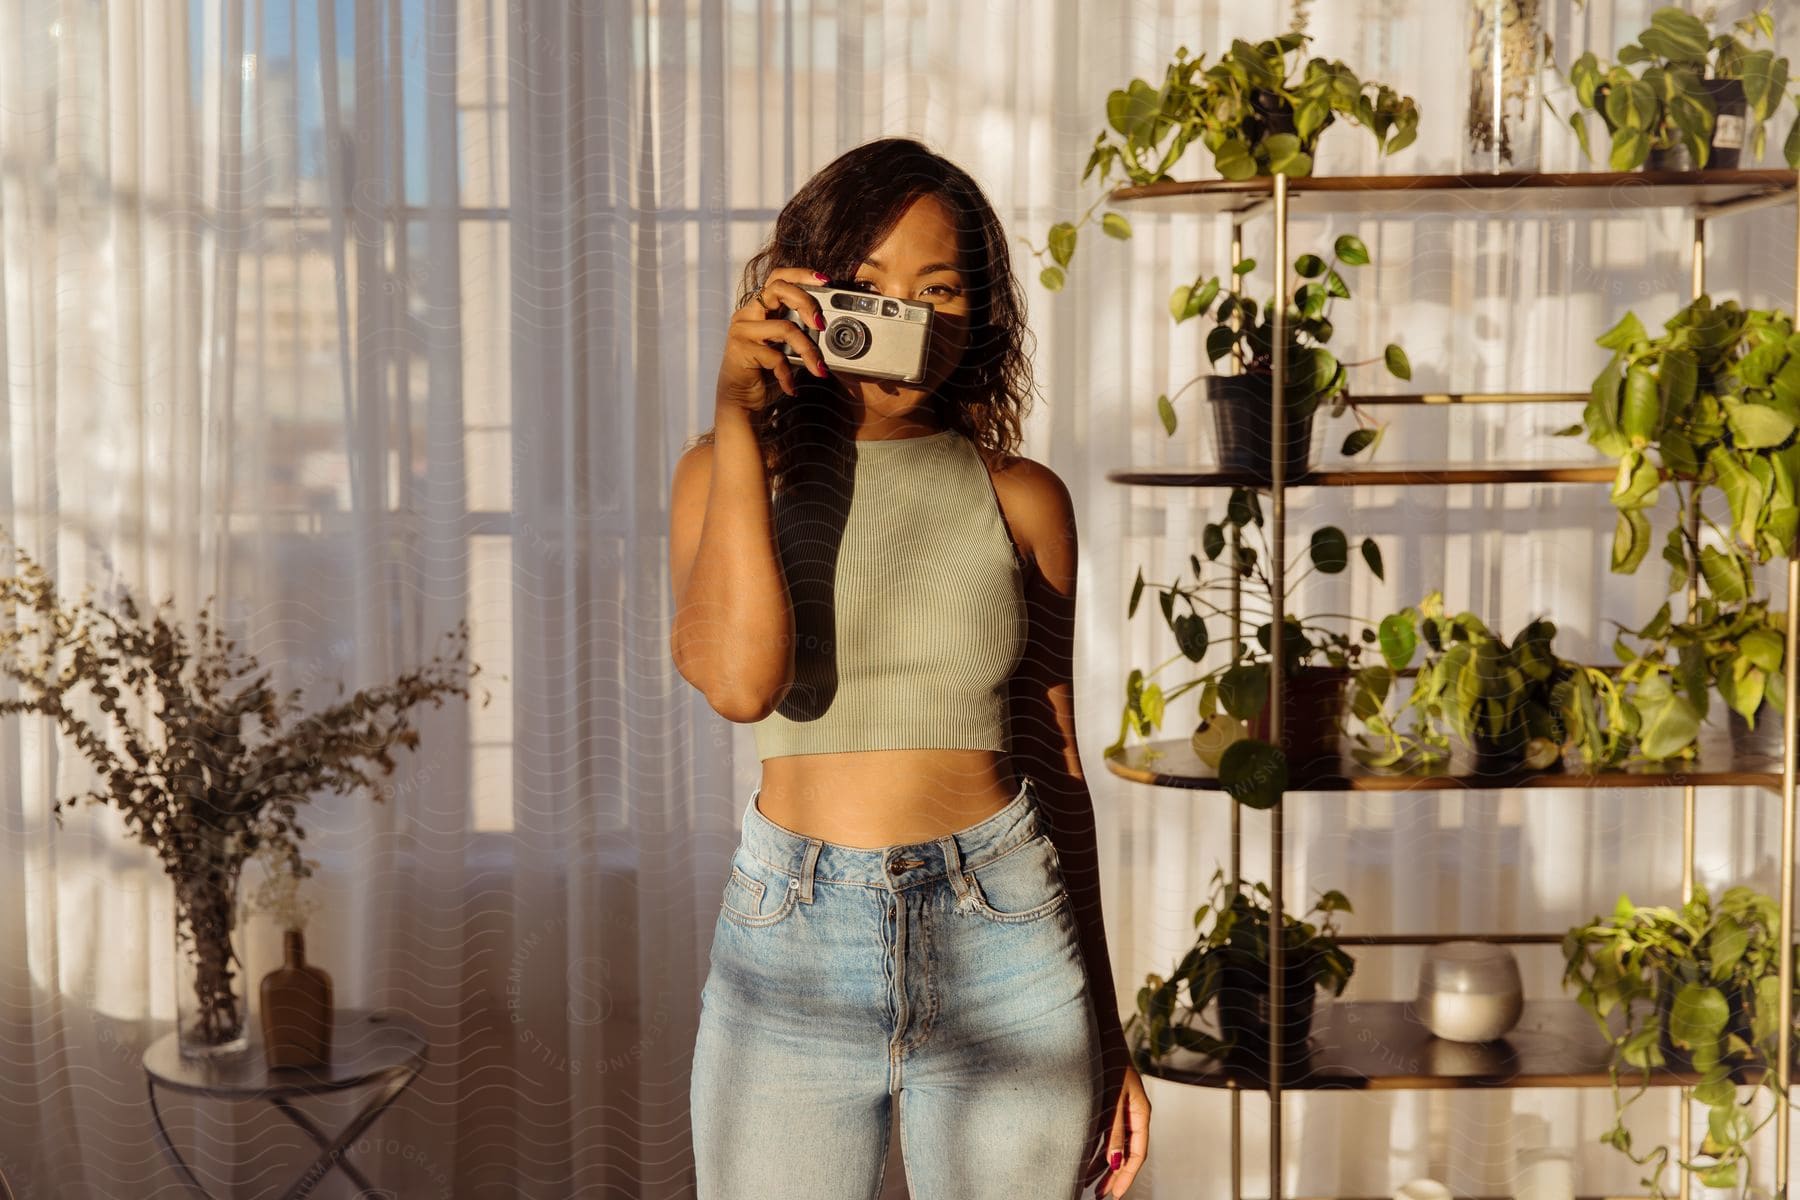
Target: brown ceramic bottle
x,y
296,1009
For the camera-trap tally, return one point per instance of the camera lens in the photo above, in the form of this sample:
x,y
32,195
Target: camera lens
x,y
847,338
890,308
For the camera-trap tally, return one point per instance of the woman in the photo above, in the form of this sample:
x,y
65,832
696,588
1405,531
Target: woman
x,y
911,926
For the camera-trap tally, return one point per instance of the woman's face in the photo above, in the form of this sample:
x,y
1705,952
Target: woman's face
x,y
922,260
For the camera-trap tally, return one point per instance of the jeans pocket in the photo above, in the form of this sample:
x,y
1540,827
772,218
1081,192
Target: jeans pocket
x,y
1023,884
756,893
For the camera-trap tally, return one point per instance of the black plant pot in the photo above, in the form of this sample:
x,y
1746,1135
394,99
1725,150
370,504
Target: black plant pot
x,y
1495,757
1273,114
1729,125
1242,420
1762,742
1674,158
1722,153
1310,715
1487,754
1244,1009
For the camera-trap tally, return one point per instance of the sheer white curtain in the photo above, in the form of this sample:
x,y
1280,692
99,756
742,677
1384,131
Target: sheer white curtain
x,y
372,316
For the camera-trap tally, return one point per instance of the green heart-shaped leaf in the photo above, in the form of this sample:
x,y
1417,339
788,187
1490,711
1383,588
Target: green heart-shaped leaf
x,y
1698,1015
1330,550
1350,249
1254,773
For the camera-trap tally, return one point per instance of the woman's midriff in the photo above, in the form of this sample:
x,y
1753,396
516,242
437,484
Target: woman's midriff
x,y
873,798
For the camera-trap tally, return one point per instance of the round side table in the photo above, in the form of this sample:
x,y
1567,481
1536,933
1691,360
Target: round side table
x,y
384,1050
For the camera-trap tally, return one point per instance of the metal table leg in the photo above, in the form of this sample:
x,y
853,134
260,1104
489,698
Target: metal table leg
x,y
318,1136
168,1145
333,1154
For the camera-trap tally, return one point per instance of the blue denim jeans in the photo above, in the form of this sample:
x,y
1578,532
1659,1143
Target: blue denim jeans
x,y
940,982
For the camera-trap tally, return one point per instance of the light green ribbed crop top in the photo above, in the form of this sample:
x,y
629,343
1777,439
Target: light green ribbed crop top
x,y
908,598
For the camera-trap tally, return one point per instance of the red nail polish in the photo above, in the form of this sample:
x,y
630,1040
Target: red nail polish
x,y
819,320
822,278
1112,1162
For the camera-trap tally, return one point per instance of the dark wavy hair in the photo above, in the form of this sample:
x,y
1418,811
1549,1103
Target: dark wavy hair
x,y
834,222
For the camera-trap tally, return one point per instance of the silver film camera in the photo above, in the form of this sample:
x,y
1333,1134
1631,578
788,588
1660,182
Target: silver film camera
x,y
868,334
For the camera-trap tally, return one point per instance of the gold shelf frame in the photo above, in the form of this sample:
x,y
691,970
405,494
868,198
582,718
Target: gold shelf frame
x,y
1705,194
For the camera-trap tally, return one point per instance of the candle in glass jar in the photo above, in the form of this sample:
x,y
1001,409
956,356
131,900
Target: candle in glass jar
x,y
1471,1016
1545,1175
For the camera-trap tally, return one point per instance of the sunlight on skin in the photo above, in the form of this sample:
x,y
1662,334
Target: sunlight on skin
x,y
901,267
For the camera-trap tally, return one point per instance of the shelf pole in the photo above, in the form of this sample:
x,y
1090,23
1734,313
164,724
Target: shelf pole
x,y
1278,618
1237,818
1785,1009
1784,1022
1237,583
1699,258
1689,794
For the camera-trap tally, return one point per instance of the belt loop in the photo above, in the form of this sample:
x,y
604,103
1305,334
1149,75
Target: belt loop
x,y
813,846
961,883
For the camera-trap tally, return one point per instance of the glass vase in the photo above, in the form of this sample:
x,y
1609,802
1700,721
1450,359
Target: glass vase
x,y
211,1013
1504,126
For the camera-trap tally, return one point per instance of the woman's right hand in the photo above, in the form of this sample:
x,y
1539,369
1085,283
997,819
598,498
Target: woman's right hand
x,y
754,339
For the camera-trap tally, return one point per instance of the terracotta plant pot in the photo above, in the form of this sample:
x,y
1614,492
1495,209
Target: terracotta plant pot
x,y
1245,432
1311,709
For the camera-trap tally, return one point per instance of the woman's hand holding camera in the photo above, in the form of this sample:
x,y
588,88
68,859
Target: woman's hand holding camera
x,y
751,343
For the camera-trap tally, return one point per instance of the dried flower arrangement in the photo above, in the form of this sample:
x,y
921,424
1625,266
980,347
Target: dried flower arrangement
x,y
1297,15
1505,48
279,893
197,752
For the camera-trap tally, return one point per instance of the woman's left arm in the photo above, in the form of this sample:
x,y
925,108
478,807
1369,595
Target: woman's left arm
x,y
1041,709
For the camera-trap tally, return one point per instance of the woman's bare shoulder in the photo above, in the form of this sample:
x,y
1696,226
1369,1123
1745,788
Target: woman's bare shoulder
x,y
1038,507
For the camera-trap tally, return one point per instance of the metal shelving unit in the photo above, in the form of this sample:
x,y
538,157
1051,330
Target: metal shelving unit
x,y
1555,1044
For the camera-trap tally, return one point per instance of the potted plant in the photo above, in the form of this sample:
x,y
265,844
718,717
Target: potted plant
x,y
1686,105
1698,988
1508,706
1228,965
1736,649
1234,693
198,753
1254,110
1712,403
1242,404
